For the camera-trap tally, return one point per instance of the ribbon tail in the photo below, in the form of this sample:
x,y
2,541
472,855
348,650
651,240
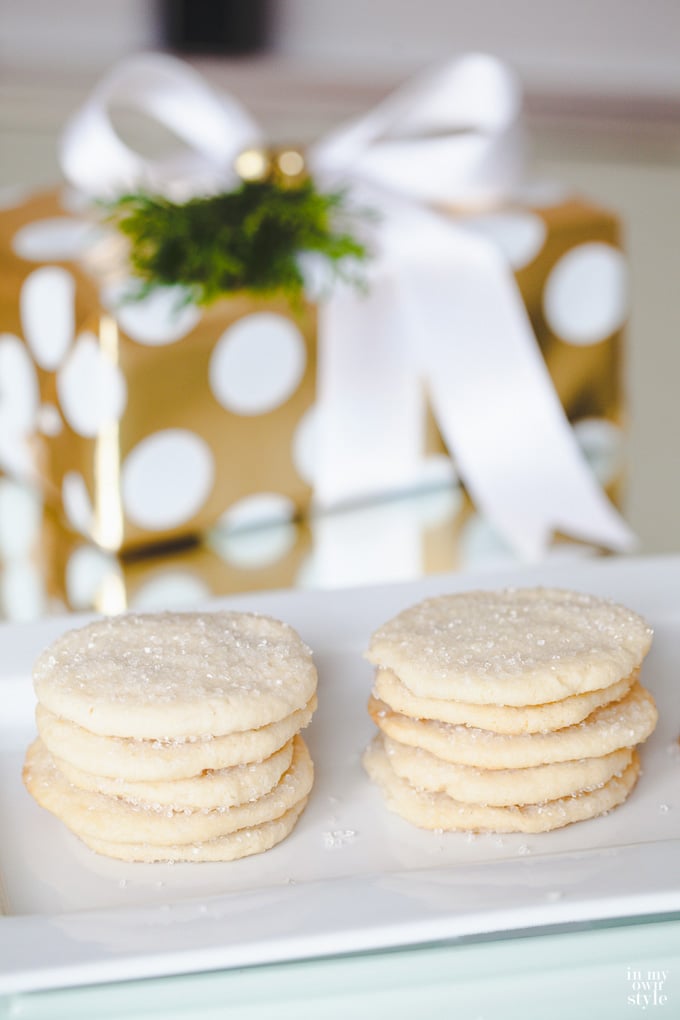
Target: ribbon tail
x,y
493,398
370,437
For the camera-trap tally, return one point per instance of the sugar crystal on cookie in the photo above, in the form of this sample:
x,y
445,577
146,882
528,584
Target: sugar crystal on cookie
x,y
513,710
175,736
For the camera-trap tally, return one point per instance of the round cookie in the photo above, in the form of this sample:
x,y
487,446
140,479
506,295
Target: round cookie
x,y
514,647
243,843
498,718
622,724
440,812
176,674
118,821
211,790
502,787
149,760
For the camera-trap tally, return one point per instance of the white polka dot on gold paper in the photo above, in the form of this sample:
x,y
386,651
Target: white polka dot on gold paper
x,y
257,363
18,406
48,314
163,317
262,547
76,502
21,512
257,511
305,441
170,589
92,389
22,591
585,298
518,235
49,420
61,239
18,386
88,570
256,531
167,478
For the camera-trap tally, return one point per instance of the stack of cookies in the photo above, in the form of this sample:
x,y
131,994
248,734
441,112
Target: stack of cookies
x,y
508,711
174,737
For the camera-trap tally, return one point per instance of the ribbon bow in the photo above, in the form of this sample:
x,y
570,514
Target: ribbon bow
x,y
443,311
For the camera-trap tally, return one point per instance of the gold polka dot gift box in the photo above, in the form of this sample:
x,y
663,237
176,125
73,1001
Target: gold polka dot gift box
x,y
159,383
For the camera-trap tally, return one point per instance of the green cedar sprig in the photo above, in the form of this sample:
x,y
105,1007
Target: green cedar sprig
x,y
247,239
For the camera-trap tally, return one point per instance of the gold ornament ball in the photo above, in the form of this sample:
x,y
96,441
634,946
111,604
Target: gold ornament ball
x,y
285,166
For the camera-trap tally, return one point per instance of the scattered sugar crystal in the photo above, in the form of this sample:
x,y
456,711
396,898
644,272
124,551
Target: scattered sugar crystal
x,y
338,838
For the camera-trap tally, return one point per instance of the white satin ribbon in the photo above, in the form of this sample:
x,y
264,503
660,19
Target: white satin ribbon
x,y
443,308
214,129
451,136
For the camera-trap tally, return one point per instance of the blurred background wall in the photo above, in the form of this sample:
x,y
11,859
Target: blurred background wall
x,y
620,47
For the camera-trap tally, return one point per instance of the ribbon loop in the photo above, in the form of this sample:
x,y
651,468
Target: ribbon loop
x,y
96,161
452,136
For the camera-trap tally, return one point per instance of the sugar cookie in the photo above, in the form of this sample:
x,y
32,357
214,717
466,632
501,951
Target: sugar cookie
x,y
150,760
117,821
502,787
512,711
622,724
176,674
174,736
514,647
441,812
498,718
212,789
232,847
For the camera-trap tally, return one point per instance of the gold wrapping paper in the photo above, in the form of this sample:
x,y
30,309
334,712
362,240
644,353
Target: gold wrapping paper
x,y
81,576
168,390
588,378
362,545
46,568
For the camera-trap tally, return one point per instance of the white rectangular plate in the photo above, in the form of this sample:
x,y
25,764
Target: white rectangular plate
x,y
352,876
